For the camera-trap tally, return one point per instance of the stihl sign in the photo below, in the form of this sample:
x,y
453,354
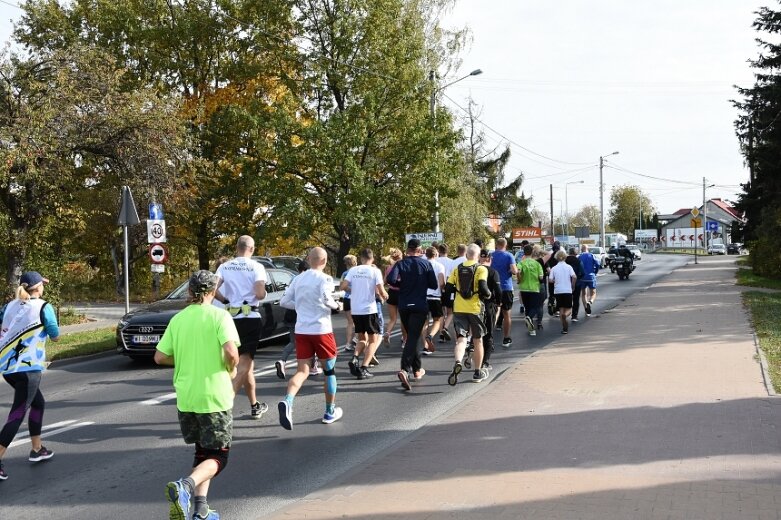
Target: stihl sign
x,y
528,233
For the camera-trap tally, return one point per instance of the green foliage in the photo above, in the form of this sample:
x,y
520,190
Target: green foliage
x,y
627,202
765,309
81,344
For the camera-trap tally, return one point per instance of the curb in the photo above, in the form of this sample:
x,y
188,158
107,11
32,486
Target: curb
x,y
57,363
763,364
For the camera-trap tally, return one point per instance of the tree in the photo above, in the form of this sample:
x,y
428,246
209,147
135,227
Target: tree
x,y
758,128
627,202
587,216
66,129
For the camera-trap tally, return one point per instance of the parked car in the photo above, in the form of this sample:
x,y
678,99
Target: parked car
x,y
139,331
600,255
717,249
635,251
734,248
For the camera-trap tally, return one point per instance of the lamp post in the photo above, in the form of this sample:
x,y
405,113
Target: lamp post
x,y
566,202
433,111
602,200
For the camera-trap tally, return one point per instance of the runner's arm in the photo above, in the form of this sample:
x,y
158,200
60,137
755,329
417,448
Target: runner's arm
x,y
231,355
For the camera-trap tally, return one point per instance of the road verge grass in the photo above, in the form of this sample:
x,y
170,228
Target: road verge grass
x,y
765,309
81,344
746,277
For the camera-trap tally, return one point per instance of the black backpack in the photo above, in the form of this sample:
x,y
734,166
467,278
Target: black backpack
x,y
466,280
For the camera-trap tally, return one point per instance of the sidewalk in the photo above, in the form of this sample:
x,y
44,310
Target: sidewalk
x,y
656,409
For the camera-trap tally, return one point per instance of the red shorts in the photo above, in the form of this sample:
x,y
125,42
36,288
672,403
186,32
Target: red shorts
x,y
307,345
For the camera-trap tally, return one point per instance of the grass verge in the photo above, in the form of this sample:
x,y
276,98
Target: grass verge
x,y
765,309
747,278
81,344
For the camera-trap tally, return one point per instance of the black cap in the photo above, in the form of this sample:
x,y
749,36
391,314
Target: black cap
x,y
413,243
484,253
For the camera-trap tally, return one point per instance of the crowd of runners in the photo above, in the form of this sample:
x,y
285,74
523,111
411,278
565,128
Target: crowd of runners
x,y
434,298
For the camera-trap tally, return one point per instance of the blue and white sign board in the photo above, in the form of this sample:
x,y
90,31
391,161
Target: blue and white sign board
x,y
155,211
713,226
155,231
426,239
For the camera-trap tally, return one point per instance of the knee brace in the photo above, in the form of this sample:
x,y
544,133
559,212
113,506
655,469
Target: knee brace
x,y
220,456
330,375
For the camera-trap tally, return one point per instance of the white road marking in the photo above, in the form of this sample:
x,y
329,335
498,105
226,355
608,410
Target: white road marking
x,y
161,399
47,434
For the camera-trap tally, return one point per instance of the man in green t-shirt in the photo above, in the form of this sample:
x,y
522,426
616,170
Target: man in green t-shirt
x,y
529,277
200,343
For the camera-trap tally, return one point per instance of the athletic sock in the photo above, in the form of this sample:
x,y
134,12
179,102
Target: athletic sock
x,y
289,398
201,507
189,483
330,408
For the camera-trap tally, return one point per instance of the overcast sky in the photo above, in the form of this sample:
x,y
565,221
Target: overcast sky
x,y
571,80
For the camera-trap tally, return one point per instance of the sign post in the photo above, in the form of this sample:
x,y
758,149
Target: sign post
x,y
128,216
695,224
158,254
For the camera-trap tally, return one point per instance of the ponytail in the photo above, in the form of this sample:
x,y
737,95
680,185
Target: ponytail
x,y
22,294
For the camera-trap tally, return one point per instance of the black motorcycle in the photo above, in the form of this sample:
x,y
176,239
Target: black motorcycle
x,y
623,266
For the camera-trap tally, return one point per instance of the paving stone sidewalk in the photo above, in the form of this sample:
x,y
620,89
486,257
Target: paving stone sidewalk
x,y
656,409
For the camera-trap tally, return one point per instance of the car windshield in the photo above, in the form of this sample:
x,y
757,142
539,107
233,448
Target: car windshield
x,y
286,262
180,293
595,250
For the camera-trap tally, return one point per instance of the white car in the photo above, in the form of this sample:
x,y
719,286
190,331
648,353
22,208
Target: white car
x,y
635,251
717,249
599,254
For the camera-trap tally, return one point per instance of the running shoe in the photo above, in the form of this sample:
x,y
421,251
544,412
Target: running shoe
x,y
539,325
487,366
453,377
285,415
446,335
507,342
419,374
374,362
42,454
353,364
430,344
467,359
315,370
564,332
386,340
426,352
280,366
3,474
363,373
575,318
350,347
442,337
404,378
179,501
588,308
532,333
529,323
211,515
329,418
479,375
257,410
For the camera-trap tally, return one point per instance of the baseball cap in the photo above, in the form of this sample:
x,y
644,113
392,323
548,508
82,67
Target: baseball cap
x,y
202,282
413,243
484,253
31,279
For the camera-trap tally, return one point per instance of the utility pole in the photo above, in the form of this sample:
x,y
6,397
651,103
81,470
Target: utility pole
x,y
552,229
601,205
705,215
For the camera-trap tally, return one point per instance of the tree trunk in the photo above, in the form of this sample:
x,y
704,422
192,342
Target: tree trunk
x,y
119,281
202,243
17,254
345,244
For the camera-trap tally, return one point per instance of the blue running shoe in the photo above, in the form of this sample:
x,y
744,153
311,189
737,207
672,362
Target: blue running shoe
x,y
211,515
179,498
285,415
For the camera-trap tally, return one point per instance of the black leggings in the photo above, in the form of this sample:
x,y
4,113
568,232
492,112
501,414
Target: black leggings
x,y
413,323
27,396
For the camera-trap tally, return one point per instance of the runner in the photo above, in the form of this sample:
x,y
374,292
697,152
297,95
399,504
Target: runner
x,y
200,343
563,279
413,276
447,298
434,297
574,262
589,281
28,320
394,255
290,323
550,263
350,261
539,255
241,287
504,263
491,305
310,294
366,285
530,278
469,282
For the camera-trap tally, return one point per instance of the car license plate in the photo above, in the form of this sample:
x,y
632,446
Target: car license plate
x,y
146,339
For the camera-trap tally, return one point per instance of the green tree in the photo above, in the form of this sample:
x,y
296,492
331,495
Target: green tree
x,y
587,216
627,203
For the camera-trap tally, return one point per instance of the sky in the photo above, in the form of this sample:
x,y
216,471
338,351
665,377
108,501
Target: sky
x,y
566,82
573,80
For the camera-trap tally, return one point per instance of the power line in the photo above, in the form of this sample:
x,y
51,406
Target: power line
x,y
615,166
11,4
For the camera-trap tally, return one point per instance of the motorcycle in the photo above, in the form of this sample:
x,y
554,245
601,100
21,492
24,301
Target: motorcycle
x,y
624,267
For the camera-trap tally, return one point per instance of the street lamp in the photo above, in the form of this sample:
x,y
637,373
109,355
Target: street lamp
x,y
566,202
433,110
602,200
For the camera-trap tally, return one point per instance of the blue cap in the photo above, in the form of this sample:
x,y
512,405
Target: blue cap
x,y
31,279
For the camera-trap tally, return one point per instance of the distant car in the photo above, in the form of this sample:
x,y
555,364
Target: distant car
x,y
139,331
717,249
635,251
286,262
599,254
734,248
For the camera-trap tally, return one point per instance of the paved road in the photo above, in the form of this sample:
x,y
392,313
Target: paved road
x,y
113,425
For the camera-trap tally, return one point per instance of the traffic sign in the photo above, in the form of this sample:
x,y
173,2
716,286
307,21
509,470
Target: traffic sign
x,y
158,253
713,226
128,216
155,231
695,212
158,268
696,222
155,211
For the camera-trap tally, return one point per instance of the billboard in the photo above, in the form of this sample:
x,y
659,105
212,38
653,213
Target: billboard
x,y
527,233
645,234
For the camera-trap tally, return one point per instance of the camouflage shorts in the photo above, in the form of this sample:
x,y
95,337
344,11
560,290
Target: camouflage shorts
x,y
211,430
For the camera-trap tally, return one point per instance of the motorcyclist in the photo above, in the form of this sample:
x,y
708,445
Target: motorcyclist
x,y
626,253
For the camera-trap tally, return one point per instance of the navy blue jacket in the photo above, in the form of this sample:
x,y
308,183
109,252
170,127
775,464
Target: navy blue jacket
x,y
413,276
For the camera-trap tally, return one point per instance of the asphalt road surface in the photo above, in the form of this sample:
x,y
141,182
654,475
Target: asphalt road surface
x,y
112,424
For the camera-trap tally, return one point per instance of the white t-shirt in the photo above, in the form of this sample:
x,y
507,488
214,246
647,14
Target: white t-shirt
x,y
447,263
363,280
561,275
311,295
439,269
238,283
455,263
